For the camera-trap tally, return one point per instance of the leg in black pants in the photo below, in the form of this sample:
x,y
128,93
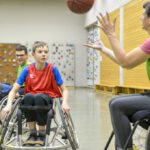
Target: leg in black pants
x,y
42,100
121,109
28,100
37,100
39,117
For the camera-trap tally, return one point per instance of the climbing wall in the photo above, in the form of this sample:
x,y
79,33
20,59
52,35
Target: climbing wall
x,y
93,58
63,56
8,63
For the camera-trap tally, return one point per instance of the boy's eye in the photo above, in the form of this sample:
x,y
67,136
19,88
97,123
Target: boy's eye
x,y
42,51
21,55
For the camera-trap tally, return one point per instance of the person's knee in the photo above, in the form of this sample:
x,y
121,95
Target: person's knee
x,y
39,100
28,96
114,104
28,99
42,100
111,103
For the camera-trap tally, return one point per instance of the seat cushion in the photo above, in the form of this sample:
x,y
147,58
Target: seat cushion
x,y
143,116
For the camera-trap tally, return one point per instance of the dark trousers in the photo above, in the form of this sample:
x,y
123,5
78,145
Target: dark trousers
x,y
36,100
121,110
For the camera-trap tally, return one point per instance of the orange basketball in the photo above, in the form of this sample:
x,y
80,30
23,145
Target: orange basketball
x,y
80,6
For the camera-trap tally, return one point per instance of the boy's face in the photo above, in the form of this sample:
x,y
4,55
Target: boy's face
x,y
21,57
41,54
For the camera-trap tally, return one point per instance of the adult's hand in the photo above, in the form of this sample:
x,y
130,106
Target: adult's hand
x,y
106,25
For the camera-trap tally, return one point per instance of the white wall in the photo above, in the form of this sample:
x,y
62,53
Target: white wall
x,y
102,6
47,20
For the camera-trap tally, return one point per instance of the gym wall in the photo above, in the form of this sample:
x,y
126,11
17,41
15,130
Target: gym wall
x,y
134,35
47,20
109,71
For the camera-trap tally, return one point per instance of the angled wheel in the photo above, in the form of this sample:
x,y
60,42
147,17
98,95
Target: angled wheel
x,y
9,124
139,138
69,127
3,102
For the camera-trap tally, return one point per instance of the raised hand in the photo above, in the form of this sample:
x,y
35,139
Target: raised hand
x,y
106,25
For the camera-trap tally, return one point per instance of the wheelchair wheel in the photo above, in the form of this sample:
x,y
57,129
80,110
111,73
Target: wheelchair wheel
x,y
3,102
9,124
69,127
139,138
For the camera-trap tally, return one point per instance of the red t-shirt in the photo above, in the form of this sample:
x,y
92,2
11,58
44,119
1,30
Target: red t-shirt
x,y
42,81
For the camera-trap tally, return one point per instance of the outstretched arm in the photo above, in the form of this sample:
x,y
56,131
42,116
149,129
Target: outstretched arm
x,y
99,46
126,60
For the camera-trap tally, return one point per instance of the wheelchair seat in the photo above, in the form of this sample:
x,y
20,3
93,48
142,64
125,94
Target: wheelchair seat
x,y
142,117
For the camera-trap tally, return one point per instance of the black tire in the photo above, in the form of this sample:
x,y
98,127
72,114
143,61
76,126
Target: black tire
x,y
69,127
5,124
2,105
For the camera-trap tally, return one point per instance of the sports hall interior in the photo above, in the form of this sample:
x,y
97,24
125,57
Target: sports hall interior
x,y
92,78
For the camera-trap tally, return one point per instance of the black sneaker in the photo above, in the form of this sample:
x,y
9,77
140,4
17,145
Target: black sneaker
x,y
40,141
31,140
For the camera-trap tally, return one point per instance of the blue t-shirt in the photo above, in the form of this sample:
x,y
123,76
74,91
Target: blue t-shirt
x,y
22,77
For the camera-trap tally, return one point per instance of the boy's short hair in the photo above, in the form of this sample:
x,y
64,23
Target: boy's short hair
x,y
20,47
38,44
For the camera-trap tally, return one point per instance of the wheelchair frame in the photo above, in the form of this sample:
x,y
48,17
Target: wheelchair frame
x,y
138,119
12,129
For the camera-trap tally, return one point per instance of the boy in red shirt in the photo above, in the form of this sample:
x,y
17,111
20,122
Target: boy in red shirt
x,y
43,83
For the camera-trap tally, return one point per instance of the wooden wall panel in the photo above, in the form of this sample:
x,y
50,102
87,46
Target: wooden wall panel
x,y
133,37
109,71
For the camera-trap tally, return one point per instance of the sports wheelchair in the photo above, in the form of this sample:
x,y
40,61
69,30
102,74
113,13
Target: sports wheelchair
x,y
60,130
140,131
